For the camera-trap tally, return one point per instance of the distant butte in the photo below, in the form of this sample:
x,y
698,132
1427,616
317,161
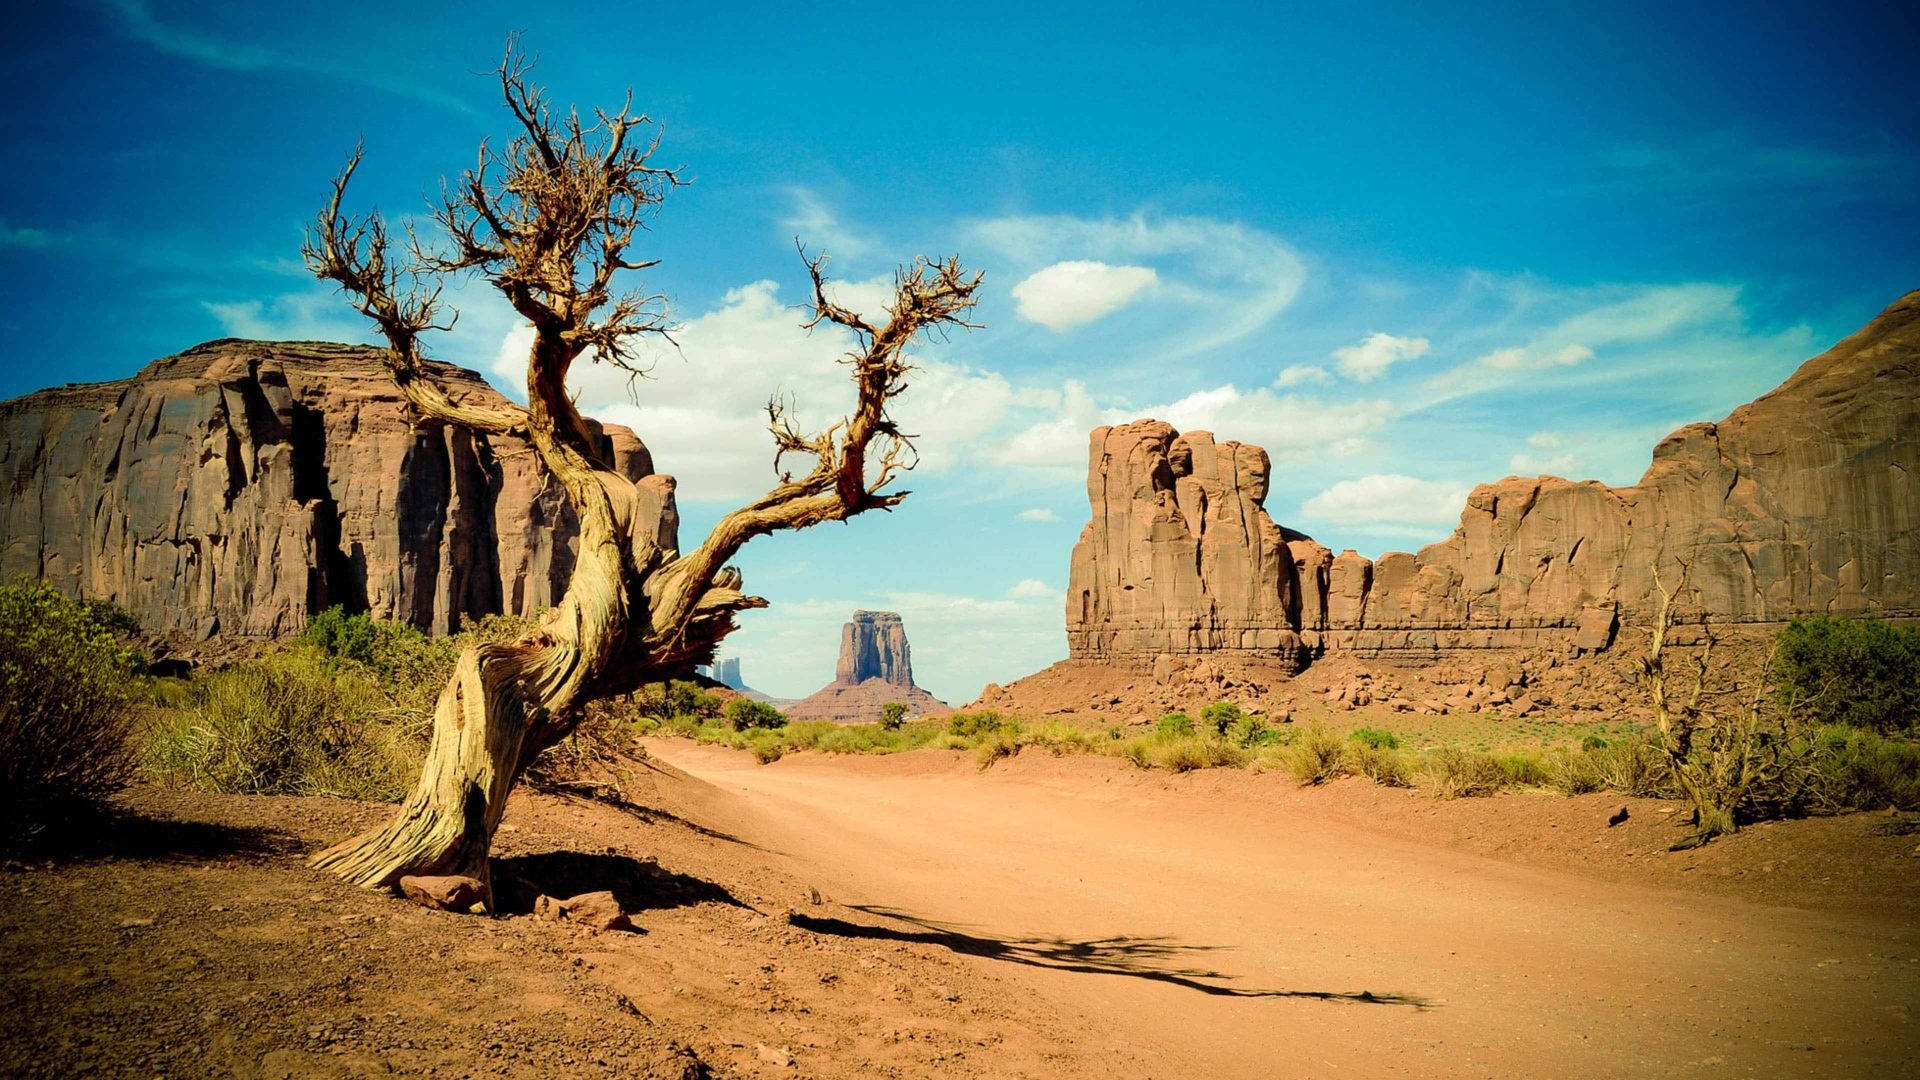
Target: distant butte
x,y
875,667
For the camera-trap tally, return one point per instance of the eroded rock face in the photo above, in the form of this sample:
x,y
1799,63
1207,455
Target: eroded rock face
x,y
875,667
1804,502
1179,557
240,486
874,646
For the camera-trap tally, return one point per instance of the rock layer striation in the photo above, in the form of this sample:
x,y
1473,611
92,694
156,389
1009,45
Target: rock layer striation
x,y
1803,502
242,485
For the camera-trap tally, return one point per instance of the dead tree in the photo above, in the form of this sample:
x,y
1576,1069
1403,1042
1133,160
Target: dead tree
x,y
550,221
1729,738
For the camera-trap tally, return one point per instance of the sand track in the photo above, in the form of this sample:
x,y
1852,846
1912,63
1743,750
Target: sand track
x,y
1221,936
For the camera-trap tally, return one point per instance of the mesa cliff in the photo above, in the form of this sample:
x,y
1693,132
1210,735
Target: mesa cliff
x,y
1803,502
240,486
875,667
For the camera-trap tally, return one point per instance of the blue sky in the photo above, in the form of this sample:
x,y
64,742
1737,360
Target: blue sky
x,y
1406,250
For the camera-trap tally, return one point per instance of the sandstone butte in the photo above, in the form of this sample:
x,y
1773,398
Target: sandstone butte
x,y
240,486
1803,502
875,667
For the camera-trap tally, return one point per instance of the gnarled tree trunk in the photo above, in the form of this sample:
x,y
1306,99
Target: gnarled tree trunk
x,y
550,234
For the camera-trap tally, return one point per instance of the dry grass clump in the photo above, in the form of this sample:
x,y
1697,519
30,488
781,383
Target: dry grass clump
x,y
291,723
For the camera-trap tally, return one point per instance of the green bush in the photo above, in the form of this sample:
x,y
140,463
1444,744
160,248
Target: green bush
x,y
1860,672
1451,773
977,725
1251,732
1859,769
892,715
679,697
291,723
1176,724
1383,765
1220,716
746,714
67,705
1375,738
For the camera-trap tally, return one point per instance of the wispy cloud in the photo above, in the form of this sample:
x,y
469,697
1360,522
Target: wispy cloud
x,y
136,20
1387,498
1734,160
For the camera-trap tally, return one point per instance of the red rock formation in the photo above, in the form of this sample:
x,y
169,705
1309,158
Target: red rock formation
x,y
1804,502
875,667
240,486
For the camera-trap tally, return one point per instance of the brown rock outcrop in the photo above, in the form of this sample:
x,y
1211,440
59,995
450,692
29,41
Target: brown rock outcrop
x,y
241,485
875,667
1803,502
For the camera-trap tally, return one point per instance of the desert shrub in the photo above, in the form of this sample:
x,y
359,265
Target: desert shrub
x,y
67,705
892,715
1384,765
1220,716
678,697
1058,738
745,714
1175,724
1859,672
1318,756
1860,769
1571,772
1375,738
978,724
291,723
1451,773
1001,742
1250,732
1631,766
1520,769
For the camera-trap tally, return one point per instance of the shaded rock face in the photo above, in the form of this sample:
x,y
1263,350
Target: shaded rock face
x,y
1803,502
875,667
240,486
874,646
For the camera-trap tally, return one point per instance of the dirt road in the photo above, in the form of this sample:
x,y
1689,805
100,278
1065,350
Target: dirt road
x,y
1217,937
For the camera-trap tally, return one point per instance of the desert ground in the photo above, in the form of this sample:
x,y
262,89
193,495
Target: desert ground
x,y
916,915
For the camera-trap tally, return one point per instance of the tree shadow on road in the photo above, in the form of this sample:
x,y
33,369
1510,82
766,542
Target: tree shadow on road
x,y
1159,959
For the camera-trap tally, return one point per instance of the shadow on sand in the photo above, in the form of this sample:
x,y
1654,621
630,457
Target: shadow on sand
x,y
638,885
124,835
1158,959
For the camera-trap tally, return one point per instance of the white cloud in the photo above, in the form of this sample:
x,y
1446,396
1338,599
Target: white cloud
x,y
1387,499
701,410
1232,279
1370,359
1078,291
315,314
1038,513
1298,374
1033,589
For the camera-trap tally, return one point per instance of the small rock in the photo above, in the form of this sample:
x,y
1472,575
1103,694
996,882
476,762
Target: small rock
x,y
446,892
596,910
1618,818
135,923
